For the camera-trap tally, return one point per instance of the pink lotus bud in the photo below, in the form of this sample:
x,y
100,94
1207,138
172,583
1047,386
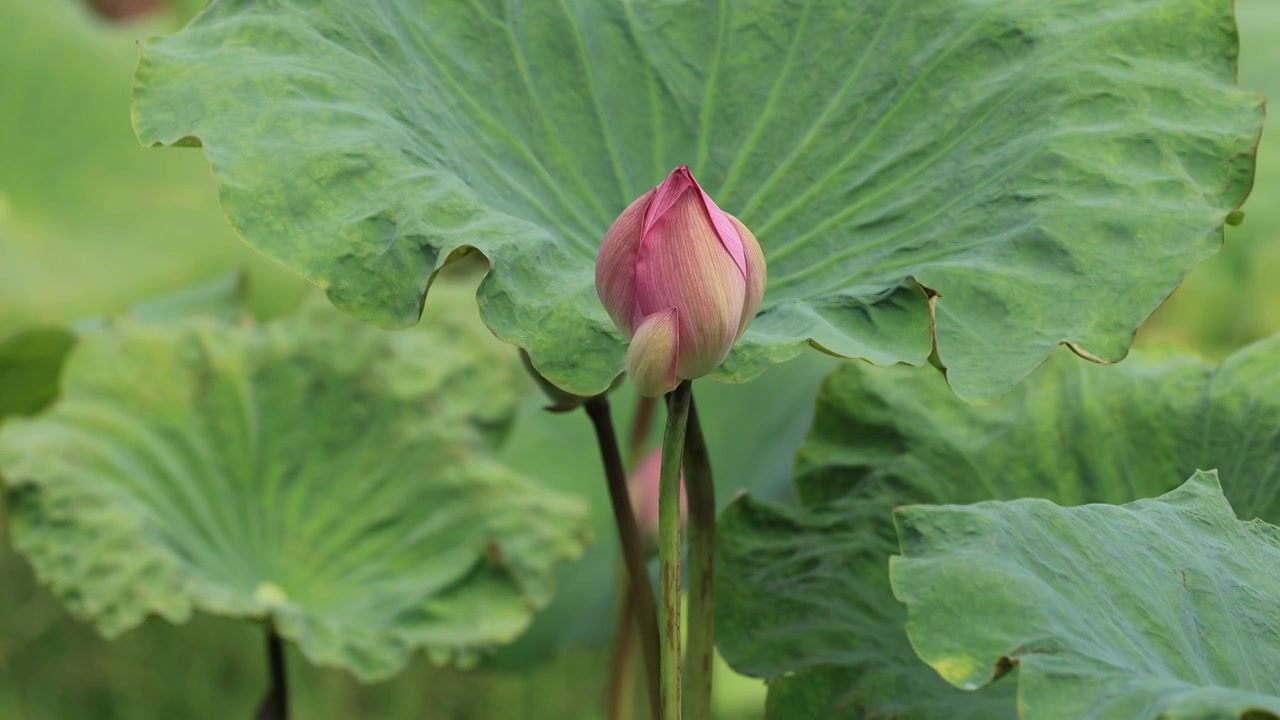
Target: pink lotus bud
x,y
643,485
682,278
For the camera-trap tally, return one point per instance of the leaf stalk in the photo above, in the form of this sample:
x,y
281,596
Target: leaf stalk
x,y
275,706
640,587
700,654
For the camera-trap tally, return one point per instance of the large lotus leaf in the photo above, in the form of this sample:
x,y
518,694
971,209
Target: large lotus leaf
x,y
804,589
803,600
90,222
1233,298
1160,608
337,479
1050,169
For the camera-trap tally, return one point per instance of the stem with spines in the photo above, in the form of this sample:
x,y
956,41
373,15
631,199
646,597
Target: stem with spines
x,y
669,546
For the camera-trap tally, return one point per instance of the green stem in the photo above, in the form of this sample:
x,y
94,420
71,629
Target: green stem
x,y
641,588
700,655
618,698
669,546
275,706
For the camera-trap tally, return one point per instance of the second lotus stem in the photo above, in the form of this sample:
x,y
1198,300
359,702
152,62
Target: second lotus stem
x,y
700,655
637,570
618,695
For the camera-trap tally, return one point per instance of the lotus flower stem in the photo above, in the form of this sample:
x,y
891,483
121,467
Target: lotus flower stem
x,y
275,706
700,655
641,589
669,546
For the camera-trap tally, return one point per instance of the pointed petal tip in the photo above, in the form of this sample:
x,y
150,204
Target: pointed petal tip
x,y
667,195
676,182
672,190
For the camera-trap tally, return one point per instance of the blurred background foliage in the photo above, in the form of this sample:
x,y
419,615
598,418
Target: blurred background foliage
x,y
91,223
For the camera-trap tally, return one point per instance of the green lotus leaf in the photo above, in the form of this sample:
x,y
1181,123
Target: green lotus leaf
x,y
804,589
90,222
1233,299
1049,170
1155,609
334,478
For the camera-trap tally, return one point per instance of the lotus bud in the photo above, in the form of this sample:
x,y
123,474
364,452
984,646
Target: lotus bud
x,y
682,278
642,486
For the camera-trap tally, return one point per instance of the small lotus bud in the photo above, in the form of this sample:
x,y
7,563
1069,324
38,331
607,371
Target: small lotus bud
x,y
642,486
682,278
